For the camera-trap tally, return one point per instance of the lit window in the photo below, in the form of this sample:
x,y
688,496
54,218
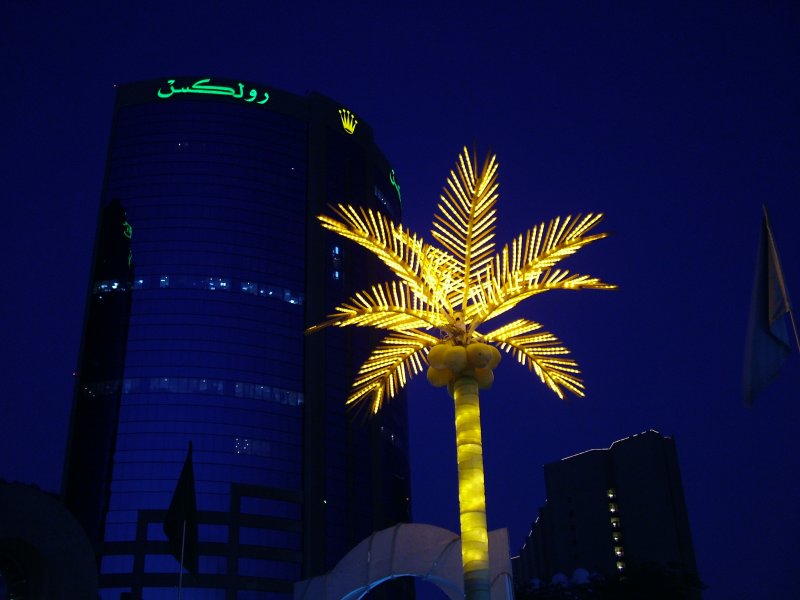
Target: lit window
x,y
109,285
292,298
612,493
615,522
620,565
391,437
618,551
242,445
218,283
612,507
336,260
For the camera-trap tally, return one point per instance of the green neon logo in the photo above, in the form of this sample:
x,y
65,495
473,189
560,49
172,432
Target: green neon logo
x,y
393,181
201,87
127,231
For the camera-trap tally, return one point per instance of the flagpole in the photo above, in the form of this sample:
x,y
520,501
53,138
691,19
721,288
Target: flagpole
x,y
781,282
180,522
794,325
180,572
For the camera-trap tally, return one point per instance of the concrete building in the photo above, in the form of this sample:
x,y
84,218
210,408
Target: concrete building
x,y
608,511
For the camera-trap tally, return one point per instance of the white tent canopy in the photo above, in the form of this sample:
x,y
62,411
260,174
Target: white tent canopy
x,y
430,553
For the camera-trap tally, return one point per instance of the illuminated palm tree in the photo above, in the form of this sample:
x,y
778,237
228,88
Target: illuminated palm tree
x,y
453,290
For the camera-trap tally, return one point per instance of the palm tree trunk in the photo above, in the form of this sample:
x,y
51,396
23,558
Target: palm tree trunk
x,y
471,495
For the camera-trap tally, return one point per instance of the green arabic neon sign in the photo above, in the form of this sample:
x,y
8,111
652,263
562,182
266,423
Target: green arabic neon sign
x,y
393,181
201,87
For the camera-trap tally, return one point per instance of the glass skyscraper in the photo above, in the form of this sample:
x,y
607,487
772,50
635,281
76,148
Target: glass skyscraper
x,y
208,266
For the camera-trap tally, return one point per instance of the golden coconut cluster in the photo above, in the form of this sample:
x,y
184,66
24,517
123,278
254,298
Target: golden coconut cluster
x,y
447,361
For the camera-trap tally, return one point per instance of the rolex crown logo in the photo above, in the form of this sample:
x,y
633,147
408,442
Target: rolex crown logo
x,y
349,120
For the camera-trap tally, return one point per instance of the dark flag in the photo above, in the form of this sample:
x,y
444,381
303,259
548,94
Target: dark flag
x,y
180,524
768,343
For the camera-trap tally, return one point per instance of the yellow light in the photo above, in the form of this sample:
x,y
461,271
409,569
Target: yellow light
x,y
349,120
472,500
454,289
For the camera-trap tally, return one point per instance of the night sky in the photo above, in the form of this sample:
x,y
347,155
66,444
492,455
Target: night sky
x,y
676,122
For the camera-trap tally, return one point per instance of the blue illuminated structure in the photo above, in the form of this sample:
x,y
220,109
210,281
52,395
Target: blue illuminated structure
x,y
208,267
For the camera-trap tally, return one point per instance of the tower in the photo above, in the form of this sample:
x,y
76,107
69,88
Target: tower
x,y
618,512
208,266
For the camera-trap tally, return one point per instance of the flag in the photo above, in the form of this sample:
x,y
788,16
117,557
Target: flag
x,y
768,343
180,524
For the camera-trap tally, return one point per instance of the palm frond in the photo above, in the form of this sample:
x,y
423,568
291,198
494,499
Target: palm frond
x,y
494,296
541,352
542,248
390,306
465,222
397,357
404,253
440,270
524,268
460,284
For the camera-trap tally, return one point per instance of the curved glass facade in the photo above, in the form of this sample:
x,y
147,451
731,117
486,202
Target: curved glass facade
x,y
205,316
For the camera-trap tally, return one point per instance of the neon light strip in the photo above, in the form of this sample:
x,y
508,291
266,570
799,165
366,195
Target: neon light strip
x,y
396,185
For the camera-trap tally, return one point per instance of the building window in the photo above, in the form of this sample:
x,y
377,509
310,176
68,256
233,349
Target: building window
x,y
110,285
193,385
243,445
336,263
117,564
218,283
197,282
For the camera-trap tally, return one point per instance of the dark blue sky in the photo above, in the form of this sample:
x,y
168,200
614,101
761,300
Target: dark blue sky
x,y
677,122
